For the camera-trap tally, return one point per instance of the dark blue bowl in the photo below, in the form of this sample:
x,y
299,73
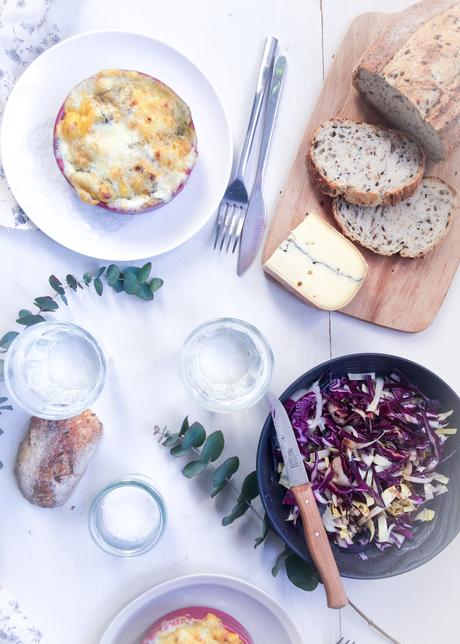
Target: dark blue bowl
x,y
431,537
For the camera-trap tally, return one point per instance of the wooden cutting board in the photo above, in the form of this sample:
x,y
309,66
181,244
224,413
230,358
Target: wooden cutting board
x,y
403,294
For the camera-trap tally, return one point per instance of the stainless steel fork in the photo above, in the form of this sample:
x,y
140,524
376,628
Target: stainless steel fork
x,y
236,198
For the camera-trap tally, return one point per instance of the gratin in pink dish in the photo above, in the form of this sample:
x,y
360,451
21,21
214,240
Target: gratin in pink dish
x,y
187,616
125,141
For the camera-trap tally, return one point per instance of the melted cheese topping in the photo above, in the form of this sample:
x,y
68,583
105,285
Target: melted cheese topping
x,y
125,140
208,630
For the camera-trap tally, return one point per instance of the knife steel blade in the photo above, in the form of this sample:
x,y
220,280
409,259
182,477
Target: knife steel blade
x,y
255,218
293,459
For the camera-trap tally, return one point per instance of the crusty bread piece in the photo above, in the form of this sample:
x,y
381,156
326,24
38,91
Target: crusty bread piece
x,y
53,456
367,164
411,228
410,74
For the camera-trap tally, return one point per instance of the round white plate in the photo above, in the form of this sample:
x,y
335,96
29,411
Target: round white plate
x,y
262,617
44,194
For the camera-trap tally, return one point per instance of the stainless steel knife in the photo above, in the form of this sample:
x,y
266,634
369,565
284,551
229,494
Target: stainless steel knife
x,y
314,531
255,219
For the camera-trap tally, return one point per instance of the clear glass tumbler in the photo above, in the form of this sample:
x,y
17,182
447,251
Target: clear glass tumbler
x,y
55,370
227,365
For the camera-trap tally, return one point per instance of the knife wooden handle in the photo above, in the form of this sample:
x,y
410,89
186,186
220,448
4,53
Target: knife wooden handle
x,y
319,546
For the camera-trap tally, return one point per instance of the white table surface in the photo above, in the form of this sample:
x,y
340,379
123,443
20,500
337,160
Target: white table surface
x,y
47,560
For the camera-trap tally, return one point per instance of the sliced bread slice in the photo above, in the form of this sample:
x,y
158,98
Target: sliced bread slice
x,y
411,228
367,164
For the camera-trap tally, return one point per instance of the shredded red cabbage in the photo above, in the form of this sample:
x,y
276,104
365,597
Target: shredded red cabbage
x,y
371,447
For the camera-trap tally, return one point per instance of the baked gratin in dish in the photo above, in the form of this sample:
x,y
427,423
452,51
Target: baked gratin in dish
x,y
125,141
196,626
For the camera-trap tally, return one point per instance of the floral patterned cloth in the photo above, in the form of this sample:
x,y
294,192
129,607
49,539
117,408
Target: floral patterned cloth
x,y
25,32
14,625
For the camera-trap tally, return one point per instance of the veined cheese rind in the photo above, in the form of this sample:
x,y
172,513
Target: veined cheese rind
x,y
125,140
319,264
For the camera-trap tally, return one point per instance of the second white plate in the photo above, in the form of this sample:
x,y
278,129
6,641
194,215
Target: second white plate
x,y
43,193
262,617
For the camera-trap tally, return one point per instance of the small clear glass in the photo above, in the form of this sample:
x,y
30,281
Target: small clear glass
x,y
128,516
227,365
55,370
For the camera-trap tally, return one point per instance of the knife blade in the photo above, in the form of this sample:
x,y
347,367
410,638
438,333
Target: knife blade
x,y
315,534
255,219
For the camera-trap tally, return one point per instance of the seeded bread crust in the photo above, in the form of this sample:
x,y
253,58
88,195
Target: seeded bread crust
x,y
395,233
410,75
351,193
53,456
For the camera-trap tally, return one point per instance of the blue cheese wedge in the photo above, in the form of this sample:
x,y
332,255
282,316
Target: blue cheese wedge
x,y
318,264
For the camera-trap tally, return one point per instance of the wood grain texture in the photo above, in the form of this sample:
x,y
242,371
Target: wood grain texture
x,y
403,294
319,546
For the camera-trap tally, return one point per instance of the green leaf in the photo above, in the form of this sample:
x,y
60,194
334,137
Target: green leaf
x,y
112,275
29,320
6,408
131,270
46,303
236,513
144,293
184,427
280,560
249,489
170,440
118,287
224,473
2,365
87,278
130,283
144,272
155,284
56,284
3,399
213,447
265,530
8,339
71,282
24,313
193,468
300,573
100,272
98,287
63,298
193,437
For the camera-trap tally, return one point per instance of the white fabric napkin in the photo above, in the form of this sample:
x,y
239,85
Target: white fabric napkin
x,y
15,627
25,32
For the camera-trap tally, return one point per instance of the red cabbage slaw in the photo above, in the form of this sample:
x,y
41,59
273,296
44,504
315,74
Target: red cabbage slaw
x,y
371,447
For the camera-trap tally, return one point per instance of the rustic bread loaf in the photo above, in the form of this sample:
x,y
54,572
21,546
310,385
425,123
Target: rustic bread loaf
x,y
411,74
411,228
53,456
366,164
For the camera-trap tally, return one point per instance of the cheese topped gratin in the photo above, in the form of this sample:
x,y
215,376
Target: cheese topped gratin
x,y
125,140
208,630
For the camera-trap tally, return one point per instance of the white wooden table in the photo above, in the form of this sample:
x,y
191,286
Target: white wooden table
x,y
69,587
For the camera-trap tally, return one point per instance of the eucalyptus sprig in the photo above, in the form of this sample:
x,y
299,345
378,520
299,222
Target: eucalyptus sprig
x,y
132,280
193,439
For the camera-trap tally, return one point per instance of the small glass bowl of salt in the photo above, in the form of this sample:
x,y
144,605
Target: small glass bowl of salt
x,y
128,516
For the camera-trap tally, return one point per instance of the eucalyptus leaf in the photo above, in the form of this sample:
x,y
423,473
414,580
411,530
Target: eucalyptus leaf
x,y
46,303
155,284
178,451
63,298
144,272
265,530
6,408
300,573
213,447
29,320
194,468
3,399
118,287
24,313
236,513
218,489
194,436
280,560
113,274
130,283
100,272
55,284
144,293
184,427
71,282
98,287
131,270
224,472
87,278
7,339
2,365
249,489
170,440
